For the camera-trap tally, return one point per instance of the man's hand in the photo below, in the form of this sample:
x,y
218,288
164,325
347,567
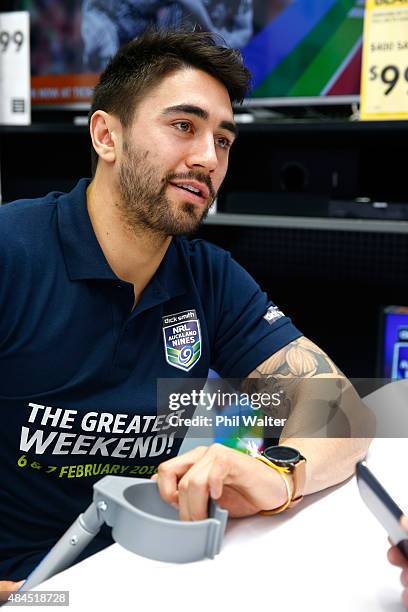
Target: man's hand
x,y
7,587
240,483
396,557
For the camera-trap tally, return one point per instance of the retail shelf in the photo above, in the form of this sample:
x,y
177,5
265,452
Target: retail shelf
x,y
332,224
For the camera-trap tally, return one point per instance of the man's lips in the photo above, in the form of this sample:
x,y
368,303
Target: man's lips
x,y
202,197
193,186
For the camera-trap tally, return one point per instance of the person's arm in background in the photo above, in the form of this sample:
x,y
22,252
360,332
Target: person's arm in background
x,y
395,557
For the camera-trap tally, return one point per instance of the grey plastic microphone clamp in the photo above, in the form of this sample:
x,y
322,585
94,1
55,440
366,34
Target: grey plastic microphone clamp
x,y
141,522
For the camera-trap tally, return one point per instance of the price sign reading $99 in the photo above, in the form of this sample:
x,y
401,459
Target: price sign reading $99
x,y
15,94
384,78
11,41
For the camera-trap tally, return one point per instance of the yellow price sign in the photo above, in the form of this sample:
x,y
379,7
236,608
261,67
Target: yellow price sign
x,y
384,77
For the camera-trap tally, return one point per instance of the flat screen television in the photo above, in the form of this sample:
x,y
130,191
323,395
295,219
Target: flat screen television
x,y
299,51
394,343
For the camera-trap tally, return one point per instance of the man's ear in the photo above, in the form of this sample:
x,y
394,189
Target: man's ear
x,y
104,129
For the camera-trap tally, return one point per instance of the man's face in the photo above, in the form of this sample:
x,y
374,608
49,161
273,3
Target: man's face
x,y
175,154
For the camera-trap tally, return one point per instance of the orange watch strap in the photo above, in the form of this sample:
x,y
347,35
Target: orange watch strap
x,y
284,472
299,479
298,474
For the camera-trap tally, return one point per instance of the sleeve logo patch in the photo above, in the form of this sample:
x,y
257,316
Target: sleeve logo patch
x,y
182,339
273,314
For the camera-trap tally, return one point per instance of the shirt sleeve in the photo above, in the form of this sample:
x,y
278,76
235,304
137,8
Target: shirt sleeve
x,y
249,327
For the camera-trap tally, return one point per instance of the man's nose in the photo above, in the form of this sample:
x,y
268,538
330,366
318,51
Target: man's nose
x,y
203,154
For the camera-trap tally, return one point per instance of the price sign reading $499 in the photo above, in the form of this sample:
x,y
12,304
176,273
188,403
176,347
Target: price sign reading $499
x,y
384,78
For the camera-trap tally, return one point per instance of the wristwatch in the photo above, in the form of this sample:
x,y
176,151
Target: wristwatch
x,y
287,461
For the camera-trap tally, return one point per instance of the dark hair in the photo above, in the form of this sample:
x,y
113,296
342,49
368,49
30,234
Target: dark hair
x,y
144,61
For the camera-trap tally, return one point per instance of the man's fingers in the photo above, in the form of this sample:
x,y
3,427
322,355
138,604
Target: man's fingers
x,y
167,480
206,478
404,598
395,557
193,494
193,477
404,577
218,473
171,471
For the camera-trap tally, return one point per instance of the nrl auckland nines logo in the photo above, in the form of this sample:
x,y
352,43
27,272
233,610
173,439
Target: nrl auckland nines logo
x,y
182,339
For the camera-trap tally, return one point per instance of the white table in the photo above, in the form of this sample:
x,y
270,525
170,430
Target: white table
x,y
327,555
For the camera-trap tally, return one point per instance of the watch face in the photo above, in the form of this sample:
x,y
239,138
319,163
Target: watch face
x,y
282,454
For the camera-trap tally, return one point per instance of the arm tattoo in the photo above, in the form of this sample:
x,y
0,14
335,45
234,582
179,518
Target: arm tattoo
x,y
283,372
301,358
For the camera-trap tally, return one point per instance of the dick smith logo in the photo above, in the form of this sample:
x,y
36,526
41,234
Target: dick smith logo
x,y
182,339
272,314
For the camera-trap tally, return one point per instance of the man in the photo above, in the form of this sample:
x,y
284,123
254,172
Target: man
x,y
92,282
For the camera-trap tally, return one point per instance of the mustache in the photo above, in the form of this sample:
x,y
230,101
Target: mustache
x,y
193,176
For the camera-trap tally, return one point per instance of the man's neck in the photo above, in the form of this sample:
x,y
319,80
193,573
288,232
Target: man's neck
x,y
133,257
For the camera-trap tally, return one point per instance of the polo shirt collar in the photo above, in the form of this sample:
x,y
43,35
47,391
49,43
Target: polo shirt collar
x,y
85,259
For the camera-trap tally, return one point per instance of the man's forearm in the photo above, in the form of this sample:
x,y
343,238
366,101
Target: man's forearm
x,y
329,461
332,428
325,418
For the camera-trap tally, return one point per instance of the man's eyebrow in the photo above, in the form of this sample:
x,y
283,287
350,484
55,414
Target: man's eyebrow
x,y
191,109
230,126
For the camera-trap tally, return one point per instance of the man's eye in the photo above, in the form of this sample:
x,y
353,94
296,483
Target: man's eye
x,y
224,143
183,126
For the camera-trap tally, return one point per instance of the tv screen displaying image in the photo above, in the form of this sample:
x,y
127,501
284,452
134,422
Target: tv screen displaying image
x,y
395,342
298,51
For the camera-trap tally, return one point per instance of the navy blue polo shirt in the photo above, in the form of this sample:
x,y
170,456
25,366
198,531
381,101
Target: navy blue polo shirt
x,y
79,366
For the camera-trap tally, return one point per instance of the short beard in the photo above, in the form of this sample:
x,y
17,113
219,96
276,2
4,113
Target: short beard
x,y
143,202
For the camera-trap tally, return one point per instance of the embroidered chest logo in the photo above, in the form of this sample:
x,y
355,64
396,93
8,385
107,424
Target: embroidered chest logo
x,y
182,339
